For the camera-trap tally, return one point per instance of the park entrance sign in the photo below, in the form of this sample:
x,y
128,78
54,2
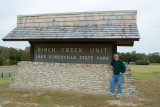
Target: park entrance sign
x,y
79,53
72,51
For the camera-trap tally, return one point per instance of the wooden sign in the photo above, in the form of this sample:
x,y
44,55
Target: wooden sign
x,y
73,53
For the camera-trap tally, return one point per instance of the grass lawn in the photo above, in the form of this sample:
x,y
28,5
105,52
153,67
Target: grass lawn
x,y
11,66
146,72
147,81
5,80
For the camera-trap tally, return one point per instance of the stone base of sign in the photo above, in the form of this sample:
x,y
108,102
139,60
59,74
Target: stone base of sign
x,y
81,78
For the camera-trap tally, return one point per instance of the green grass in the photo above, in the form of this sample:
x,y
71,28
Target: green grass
x,y
146,72
156,64
5,79
146,76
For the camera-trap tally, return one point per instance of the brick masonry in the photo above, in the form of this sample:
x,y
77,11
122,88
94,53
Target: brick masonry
x,y
81,78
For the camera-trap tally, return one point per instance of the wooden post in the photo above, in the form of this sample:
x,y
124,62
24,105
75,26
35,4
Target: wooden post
x,y
1,75
31,51
9,74
114,48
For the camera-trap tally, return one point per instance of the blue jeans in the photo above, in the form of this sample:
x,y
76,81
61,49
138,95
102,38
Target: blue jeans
x,y
119,79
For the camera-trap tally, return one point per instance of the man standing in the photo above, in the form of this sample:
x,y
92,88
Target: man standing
x,y
118,68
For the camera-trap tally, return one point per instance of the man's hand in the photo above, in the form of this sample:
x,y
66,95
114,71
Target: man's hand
x,y
112,67
120,73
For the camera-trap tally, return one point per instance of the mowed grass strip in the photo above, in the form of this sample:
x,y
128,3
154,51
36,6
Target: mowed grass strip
x,y
11,66
146,76
5,79
146,72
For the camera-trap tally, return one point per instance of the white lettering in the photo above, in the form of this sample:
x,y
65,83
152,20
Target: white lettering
x,y
86,57
98,50
46,49
102,58
71,50
40,56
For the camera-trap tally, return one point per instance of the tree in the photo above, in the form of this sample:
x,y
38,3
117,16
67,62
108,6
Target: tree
x,y
126,57
1,61
141,56
154,57
14,55
25,54
133,56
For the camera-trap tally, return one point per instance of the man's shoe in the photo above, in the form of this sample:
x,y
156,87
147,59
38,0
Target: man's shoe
x,y
110,94
119,95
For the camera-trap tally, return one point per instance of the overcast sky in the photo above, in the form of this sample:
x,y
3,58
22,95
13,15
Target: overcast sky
x,y
148,17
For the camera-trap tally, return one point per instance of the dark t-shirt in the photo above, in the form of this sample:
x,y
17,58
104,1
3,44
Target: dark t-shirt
x,y
118,66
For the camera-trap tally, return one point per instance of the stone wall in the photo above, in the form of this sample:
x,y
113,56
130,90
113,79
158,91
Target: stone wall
x,y
82,78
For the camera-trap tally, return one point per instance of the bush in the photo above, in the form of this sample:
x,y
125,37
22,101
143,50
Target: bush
x,y
2,61
142,62
13,62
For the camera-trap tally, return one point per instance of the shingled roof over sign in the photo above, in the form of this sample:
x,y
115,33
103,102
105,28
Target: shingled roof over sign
x,y
102,25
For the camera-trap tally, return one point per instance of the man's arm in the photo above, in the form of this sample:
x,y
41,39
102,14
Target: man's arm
x,y
111,65
123,67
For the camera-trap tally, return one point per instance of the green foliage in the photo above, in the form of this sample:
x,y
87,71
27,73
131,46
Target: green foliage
x,y
14,55
1,61
134,57
128,57
13,62
142,62
154,57
25,54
